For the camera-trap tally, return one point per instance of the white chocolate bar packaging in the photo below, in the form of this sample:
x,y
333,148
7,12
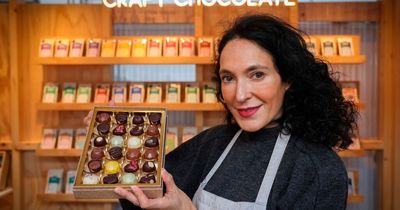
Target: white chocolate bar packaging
x,y
76,48
346,47
93,47
154,47
186,46
139,46
123,48
69,92
136,93
65,138
46,48
108,47
54,181
173,93
50,93
49,138
61,48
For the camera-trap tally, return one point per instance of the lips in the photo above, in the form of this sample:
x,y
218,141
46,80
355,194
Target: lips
x,y
248,112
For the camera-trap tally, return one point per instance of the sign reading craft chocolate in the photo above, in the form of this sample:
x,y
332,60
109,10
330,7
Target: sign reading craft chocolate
x,y
124,146
208,3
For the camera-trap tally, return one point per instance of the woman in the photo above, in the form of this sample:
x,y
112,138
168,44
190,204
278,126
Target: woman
x,y
285,113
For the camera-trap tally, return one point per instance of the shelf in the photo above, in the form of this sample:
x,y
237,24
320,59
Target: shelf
x,y
344,59
372,144
63,197
169,107
28,146
5,191
351,153
360,105
127,60
355,199
5,145
59,152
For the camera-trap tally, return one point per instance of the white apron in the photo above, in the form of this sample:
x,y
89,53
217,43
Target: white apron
x,y
204,200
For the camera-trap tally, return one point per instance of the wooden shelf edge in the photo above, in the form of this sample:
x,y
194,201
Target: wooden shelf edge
x,y
355,199
168,106
351,153
124,60
63,197
6,145
6,191
372,144
58,152
28,146
357,59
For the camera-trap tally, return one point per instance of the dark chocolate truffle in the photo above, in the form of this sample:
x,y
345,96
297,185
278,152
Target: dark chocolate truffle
x,y
103,128
94,166
150,154
115,153
132,167
152,130
137,130
121,117
154,118
99,141
148,178
133,154
137,119
110,179
103,117
149,166
151,142
97,153
119,130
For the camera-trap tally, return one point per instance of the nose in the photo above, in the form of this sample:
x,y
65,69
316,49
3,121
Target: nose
x,y
243,91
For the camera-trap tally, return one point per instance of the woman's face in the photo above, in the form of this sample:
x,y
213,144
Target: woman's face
x,y
251,85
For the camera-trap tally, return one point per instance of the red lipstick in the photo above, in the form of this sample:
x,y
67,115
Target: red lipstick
x,y
248,112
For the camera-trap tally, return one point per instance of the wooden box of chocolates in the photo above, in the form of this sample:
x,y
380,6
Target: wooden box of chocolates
x,y
124,147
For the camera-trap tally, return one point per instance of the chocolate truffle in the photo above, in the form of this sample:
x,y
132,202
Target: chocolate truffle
x,y
151,142
149,166
152,130
148,178
103,128
121,117
117,141
154,118
119,130
115,153
137,130
133,154
137,119
97,153
134,142
99,141
94,166
91,179
150,154
129,179
132,167
110,179
103,117
111,167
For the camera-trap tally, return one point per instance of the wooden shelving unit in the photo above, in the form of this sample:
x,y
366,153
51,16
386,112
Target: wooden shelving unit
x,y
351,153
6,191
168,106
58,152
5,145
28,145
63,197
357,59
355,199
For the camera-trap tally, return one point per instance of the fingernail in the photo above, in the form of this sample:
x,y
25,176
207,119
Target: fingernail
x,y
116,190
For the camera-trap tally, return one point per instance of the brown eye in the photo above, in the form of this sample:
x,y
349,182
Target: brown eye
x,y
258,75
226,78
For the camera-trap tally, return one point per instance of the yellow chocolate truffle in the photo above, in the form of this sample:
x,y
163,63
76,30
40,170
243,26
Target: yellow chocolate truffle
x,y
112,167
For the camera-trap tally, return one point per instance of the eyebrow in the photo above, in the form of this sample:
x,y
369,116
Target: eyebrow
x,y
250,68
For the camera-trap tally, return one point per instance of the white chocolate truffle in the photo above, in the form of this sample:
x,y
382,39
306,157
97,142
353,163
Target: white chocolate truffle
x,y
117,141
91,179
134,142
129,178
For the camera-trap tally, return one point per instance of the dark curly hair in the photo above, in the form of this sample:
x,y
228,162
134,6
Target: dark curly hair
x,y
313,107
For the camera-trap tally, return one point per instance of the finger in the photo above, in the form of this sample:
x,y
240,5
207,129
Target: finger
x,y
143,200
88,117
111,103
126,194
168,180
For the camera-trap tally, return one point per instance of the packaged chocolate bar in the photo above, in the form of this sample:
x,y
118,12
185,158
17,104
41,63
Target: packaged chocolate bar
x,y
65,138
170,46
139,46
312,45
50,93
54,181
84,93
69,182
49,138
108,47
186,46
119,92
80,138
136,93
69,92
209,93
93,47
61,48
345,46
46,48
154,47
76,48
125,146
102,93
171,141
124,48
205,47
4,167
328,46
192,93
154,93
173,93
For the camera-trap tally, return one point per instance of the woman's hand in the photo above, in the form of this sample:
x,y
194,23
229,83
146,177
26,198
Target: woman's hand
x,y
174,198
88,117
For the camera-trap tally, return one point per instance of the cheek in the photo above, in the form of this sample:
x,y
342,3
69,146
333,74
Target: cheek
x,y
228,91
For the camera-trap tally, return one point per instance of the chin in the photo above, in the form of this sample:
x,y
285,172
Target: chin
x,y
250,126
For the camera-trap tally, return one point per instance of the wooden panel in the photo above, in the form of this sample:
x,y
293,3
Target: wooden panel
x,y
218,18
339,12
153,14
4,75
4,44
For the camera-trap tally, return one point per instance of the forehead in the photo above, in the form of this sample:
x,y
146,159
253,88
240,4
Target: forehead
x,y
239,54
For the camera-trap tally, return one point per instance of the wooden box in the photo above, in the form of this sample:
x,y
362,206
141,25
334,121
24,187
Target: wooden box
x,y
4,165
148,161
